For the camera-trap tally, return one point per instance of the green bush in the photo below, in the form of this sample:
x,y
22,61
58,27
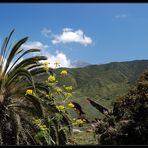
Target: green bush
x,y
127,123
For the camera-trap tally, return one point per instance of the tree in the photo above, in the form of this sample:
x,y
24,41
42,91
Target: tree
x,y
128,121
15,79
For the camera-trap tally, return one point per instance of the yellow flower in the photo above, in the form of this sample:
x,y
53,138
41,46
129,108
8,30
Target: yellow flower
x,y
43,127
75,109
68,88
46,63
57,64
37,121
74,123
47,96
84,120
79,121
68,94
74,119
45,67
51,78
63,73
29,92
58,90
71,105
60,108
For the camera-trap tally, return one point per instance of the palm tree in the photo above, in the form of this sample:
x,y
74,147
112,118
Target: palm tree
x,y
15,78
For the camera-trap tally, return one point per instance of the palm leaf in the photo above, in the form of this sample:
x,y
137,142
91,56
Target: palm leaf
x,y
99,107
26,52
36,103
40,70
18,73
25,63
4,47
33,66
14,51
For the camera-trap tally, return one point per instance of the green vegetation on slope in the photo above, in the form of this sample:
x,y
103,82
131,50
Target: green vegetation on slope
x,y
128,122
103,83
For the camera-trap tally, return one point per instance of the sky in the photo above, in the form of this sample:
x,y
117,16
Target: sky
x,y
94,33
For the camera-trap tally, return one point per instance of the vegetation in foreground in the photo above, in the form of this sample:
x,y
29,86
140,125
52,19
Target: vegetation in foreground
x,y
29,112
127,122
38,112
103,83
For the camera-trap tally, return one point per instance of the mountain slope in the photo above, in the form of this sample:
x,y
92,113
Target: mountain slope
x,y
102,83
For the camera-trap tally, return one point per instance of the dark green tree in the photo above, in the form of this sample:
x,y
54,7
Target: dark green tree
x,y
127,123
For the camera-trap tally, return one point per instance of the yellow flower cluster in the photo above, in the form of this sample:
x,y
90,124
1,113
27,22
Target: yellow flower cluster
x,y
49,95
68,95
78,121
60,108
29,92
58,90
45,65
37,121
43,127
57,64
68,88
71,105
51,78
63,73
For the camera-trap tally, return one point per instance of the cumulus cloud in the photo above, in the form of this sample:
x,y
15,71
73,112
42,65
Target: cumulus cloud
x,y
35,44
58,57
52,58
121,16
69,35
46,32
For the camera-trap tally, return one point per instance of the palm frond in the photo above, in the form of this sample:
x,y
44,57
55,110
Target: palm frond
x,y
13,52
26,52
36,103
40,70
15,75
4,47
99,107
25,63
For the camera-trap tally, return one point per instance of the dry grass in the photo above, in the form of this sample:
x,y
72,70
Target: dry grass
x,y
86,137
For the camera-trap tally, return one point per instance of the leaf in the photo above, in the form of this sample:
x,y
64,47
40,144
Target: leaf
x,y
21,72
36,103
13,52
99,107
26,52
4,47
25,63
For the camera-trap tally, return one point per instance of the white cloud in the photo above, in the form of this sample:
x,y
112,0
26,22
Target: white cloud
x,y
69,35
58,57
35,44
67,29
121,16
45,32
52,58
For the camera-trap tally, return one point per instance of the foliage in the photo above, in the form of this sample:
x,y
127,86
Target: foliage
x,y
103,82
15,79
28,112
128,121
56,120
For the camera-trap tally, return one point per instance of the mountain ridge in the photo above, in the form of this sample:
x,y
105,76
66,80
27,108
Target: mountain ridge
x,y
103,83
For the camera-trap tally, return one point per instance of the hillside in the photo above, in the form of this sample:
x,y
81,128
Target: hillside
x,y
102,83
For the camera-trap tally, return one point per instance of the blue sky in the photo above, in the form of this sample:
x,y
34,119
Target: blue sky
x,y
93,33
